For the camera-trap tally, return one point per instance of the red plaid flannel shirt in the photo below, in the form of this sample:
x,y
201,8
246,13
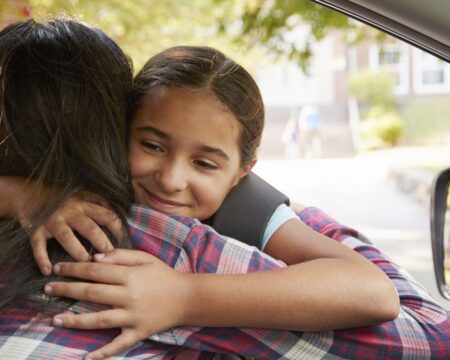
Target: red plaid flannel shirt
x,y
422,330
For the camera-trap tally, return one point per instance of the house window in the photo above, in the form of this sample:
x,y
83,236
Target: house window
x,y
431,75
391,59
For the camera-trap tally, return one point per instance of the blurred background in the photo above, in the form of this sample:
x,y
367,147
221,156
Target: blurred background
x,y
357,123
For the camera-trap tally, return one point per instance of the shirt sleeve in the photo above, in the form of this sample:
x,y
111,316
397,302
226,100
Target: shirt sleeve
x,y
282,214
422,328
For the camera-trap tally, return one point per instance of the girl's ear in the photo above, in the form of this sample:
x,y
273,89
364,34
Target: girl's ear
x,y
247,168
243,172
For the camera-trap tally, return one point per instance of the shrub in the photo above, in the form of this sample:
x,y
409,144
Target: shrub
x,y
372,89
382,126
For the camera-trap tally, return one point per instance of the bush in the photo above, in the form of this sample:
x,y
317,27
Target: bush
x,y
372,89
382,127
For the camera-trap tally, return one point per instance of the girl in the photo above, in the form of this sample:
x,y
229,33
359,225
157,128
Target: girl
x,y
197,124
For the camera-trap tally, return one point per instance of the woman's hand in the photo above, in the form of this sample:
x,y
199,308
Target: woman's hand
x,y
147,296
80,215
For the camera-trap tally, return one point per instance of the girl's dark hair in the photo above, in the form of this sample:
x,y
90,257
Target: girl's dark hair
x,y
206,68
64,90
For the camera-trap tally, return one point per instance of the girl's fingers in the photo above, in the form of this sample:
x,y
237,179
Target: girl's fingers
x,y
122,342
94,198
90,230
297,207
101,273
98,293
38,243
111,318
65,236
125,257
107,218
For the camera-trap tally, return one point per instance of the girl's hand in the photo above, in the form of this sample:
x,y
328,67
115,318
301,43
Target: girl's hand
x,y
85,213
76,214
147,296
297,207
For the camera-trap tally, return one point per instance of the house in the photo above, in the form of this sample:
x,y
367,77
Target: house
x,y
286,88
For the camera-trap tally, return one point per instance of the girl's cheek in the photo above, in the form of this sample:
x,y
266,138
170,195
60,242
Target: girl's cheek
x,y
213,195
137,164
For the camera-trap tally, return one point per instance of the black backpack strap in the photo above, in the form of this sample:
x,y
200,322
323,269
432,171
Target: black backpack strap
x,y
247,209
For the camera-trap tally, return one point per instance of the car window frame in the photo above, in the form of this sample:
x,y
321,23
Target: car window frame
x,y
379,19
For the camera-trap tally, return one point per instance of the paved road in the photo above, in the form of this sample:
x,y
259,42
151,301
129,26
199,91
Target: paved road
x,y
356,191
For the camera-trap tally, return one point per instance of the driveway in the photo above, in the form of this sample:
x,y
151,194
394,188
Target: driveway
x,y
359,192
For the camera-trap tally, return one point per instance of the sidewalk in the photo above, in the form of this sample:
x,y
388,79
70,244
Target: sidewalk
x,y
413,169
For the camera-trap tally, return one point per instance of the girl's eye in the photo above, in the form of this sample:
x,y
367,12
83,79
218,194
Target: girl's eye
x,y
152,147
205,165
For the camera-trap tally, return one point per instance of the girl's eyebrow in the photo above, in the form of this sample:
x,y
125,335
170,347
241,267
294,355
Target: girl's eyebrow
x,y
213,150
155,131
202,148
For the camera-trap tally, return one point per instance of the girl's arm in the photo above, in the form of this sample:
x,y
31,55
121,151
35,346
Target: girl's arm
x,y
329,286
322,294
326,276
201,250
327,293
361,293
20,198
337,287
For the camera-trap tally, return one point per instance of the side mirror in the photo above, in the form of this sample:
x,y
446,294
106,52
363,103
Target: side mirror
x,y
440,231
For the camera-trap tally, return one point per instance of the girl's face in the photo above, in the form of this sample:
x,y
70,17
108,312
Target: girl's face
x,y
183,152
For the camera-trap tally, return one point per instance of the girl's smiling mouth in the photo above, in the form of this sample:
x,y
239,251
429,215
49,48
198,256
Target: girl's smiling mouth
x,y
162,204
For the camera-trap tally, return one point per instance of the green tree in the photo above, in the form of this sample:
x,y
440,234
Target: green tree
x,y
274,26
144,27
248,30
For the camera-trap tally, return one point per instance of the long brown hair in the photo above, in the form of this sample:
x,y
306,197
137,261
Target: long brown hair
x,y
64,89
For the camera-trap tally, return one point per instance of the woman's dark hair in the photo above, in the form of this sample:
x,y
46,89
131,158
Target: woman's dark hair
x,y
206,68
64,91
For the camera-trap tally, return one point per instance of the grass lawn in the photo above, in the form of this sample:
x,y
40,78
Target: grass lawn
x,y
427,120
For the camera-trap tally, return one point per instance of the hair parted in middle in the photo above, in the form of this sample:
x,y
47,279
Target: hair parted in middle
x,y
205,68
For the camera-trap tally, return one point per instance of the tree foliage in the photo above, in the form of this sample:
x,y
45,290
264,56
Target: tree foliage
x,y
274,25
243,29
144,27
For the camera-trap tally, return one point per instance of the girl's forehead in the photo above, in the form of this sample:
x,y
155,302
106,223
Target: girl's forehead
x,y
188,117
166,103
181,94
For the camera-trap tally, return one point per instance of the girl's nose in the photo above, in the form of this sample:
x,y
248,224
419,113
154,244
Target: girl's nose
x,y
172,178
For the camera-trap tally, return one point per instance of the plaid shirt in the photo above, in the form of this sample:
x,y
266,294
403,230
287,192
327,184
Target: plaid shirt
x,y
422,330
